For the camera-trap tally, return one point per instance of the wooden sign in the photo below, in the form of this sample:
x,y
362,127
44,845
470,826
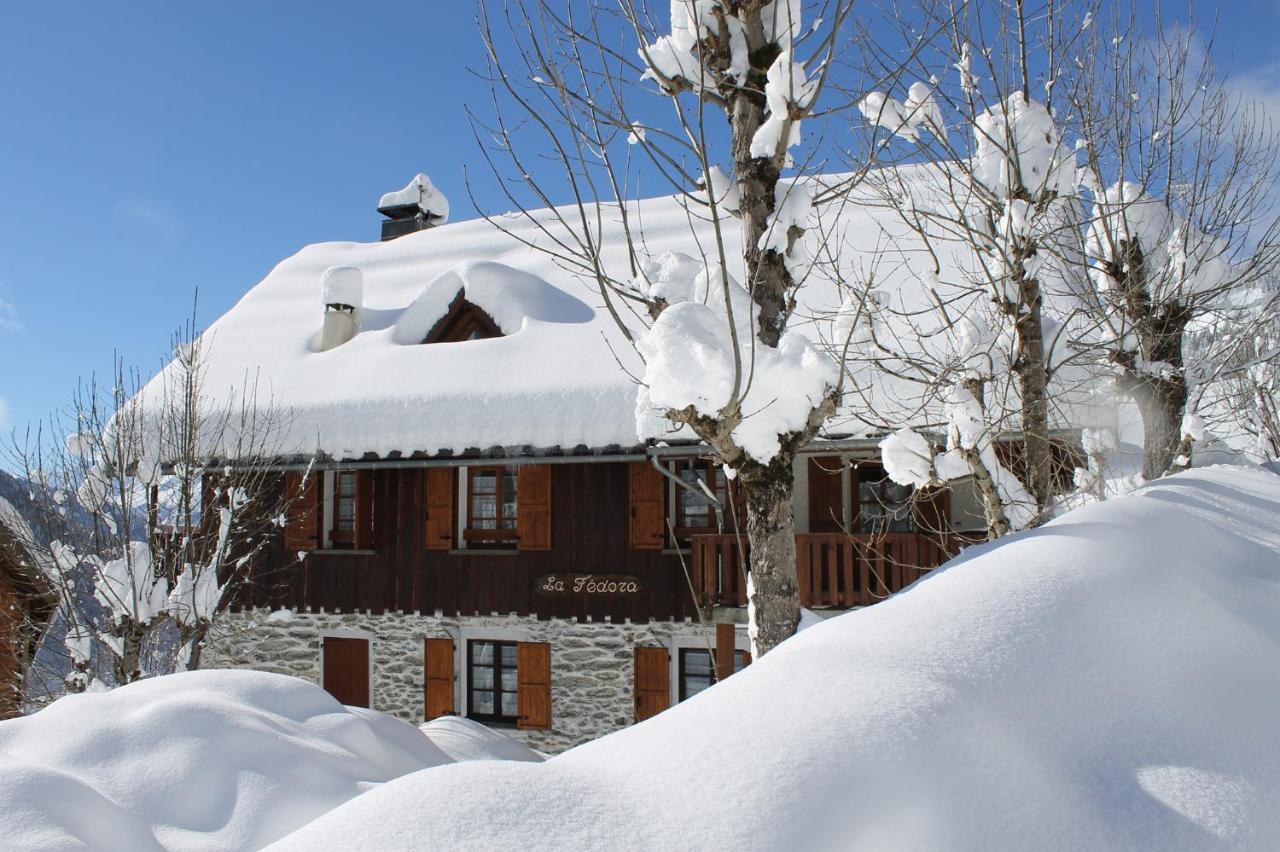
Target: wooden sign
x,y
589,585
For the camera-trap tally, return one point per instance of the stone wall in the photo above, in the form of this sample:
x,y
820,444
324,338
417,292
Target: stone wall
x,y
591,662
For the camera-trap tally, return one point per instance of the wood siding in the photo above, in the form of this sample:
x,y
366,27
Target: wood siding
x,y
412,568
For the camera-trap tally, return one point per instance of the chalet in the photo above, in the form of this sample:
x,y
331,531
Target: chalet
x,y
27,604
494,524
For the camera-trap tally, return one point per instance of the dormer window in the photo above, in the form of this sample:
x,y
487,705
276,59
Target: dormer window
x,y
463,321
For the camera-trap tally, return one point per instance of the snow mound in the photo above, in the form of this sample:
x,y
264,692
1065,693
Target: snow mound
x,y
1105,681
509,296
217,760
463,739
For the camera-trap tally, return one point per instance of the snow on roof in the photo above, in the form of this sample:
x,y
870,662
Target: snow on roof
x,y
1105,682
421,193
561,376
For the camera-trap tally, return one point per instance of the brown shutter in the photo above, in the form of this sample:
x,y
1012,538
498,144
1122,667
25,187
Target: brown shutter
x,y
346,670
533,676
648,507
726,642
364,510
533,507
652,682
438,663
302,520
826,497
439,508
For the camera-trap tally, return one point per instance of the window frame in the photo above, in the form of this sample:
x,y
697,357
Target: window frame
x,y
340,539
716,481
497,537
682,651
879,484
497,717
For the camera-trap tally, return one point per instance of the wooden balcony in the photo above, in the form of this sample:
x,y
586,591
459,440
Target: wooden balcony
x,y
835,570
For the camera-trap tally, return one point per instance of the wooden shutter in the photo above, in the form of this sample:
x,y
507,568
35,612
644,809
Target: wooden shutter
x,y
364,510
439,508
438,663
302,518
346,670
826,494
648,507
533,507
726,642
652,682
533,677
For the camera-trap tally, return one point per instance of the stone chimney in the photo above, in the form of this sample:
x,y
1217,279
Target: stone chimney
x,y
342,288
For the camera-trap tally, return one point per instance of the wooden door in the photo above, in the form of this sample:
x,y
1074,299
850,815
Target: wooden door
x,y
438,664
346,669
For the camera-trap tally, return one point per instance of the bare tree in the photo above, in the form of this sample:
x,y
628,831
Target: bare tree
x,y
989,213
583,87
1185,227
155,499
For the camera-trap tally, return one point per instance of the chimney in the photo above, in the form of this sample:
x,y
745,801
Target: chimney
x,y
415,208
342,288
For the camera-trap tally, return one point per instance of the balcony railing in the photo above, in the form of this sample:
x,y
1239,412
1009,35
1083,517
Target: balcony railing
x,y
835,570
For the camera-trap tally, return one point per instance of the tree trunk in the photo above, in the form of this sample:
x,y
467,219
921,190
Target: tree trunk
x,y
1033,386
129,664
196,645
773,605
992,505
1162,402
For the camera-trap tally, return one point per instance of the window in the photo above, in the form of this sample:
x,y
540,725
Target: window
x,y
698,670
883,505
693,511
493,681
492,507
344,509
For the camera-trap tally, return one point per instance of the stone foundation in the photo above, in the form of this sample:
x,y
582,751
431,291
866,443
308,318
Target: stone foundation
x,y
591,663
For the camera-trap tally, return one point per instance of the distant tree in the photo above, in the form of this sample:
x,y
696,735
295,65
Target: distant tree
x,y
1185,229
154,501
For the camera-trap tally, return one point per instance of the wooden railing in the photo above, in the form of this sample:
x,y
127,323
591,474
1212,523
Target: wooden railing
x,y
835,570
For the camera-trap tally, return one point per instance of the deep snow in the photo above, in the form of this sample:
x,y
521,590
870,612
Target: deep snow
x,y
1106,681
216,760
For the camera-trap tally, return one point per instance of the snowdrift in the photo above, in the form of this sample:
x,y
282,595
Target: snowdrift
x,y
216,760
1107,681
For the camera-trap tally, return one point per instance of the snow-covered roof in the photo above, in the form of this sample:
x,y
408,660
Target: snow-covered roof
x,y
562,375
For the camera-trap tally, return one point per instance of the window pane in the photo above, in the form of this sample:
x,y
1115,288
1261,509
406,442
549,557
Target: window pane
x,y
509,682
482,677
484,482
697,662
739,660
482,652
510,704
509,655
482,702
484,511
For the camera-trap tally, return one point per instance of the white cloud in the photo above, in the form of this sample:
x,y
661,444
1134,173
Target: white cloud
x,y
9,317
150,212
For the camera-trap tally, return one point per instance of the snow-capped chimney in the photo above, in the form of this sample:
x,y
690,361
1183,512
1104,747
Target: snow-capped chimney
x,y
415,208
342,288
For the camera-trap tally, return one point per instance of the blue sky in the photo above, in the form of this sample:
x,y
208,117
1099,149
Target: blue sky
x,y
149,148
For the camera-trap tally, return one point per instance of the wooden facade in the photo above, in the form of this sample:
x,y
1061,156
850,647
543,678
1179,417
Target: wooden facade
x,y
574,519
